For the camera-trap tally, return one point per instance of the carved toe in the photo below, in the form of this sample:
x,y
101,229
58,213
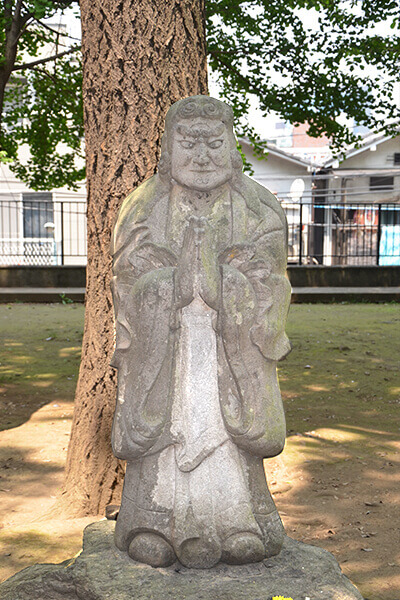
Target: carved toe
x,y
243,548
197,553
151,549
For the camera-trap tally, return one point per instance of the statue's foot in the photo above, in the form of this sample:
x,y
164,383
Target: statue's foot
x,y
198,553
242,548
151,549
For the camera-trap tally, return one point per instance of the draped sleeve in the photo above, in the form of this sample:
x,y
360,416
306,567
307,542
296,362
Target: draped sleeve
x,y
143,294
255,301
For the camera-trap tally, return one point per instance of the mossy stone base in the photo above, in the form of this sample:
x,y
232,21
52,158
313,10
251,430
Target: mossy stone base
x,y
101,572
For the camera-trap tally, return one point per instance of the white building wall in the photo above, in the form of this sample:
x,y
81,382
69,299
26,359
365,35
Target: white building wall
x,y
66,246
278,174
283,175
381,158
364,229
352,187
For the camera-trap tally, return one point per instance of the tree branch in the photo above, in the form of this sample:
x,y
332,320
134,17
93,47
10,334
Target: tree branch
x,y
17,11
44,60
7,14
54,79
45,73
14,24
71,37
24,26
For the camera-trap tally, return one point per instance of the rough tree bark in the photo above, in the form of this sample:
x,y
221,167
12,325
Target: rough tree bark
x,y
139,57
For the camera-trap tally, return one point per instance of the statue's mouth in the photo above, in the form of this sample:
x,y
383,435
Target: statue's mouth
x,y
202,171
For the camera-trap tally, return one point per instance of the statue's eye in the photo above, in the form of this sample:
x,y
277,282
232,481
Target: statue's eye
x,y
186,144
215,144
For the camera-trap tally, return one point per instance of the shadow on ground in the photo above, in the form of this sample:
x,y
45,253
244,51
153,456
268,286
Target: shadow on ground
x,y
337,484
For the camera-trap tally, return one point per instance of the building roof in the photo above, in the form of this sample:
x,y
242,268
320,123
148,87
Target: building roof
x,y
370,140
363,172
279,153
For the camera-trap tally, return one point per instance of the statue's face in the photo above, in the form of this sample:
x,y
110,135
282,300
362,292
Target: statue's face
x,y
201,154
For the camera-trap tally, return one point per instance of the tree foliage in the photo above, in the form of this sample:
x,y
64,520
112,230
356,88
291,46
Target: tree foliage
x,y
40,94
311,61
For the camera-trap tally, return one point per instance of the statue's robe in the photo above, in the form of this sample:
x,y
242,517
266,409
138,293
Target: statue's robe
x,y
170,464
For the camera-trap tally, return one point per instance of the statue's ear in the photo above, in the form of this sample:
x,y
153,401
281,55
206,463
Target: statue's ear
x,y
237,161
164,165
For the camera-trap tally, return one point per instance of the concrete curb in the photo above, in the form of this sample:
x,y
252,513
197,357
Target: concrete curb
x,y
21,294
299,294
345,294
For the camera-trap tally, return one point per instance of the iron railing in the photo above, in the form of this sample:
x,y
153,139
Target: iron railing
x,y
343,234
42,233
54,233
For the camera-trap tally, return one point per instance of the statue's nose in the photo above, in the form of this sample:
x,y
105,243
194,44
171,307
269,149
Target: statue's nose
x,y
201,158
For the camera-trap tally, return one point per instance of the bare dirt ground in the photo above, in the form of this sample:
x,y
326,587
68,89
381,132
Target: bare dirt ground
x,y
337,484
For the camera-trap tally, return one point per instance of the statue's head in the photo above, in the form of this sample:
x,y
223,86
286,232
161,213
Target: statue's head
x,y
198,149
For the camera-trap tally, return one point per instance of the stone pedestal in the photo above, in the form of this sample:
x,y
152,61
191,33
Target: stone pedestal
x,y
102,572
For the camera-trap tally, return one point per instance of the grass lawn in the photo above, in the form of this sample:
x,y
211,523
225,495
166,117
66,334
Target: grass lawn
x,y
336,485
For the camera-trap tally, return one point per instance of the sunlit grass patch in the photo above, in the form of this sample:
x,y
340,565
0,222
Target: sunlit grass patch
x,y
70,352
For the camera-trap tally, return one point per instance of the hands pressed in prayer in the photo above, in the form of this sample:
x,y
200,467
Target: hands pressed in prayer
x,y
198,271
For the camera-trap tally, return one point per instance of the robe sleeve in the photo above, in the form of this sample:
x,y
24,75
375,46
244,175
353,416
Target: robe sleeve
x,y
255,301
263,263
272,289
143,293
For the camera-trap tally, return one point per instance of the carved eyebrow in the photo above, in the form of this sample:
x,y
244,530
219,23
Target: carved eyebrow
x,y
198,131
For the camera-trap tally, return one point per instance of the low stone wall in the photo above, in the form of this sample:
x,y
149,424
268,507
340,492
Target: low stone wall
x,y
46,277
300,276
344,276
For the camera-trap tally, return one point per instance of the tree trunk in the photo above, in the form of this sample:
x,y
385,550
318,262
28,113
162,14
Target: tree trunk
x,y
139,56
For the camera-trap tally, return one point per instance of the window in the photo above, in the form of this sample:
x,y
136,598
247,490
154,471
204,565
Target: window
x,y
390,217
38,210
381,183
396,158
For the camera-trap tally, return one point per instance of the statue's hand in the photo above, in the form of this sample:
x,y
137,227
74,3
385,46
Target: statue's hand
x,y
198,268
186,273
209,275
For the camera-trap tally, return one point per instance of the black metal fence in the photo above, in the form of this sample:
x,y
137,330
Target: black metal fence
x,y
54,233
42,232
343,234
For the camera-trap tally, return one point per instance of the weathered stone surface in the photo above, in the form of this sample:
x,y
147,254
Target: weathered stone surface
x,y
102,572
201,300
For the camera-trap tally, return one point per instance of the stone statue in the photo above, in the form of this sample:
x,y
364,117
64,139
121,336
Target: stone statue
x,y
201,300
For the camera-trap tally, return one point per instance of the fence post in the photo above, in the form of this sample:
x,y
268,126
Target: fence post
x,y
378,234
62,231
301,234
